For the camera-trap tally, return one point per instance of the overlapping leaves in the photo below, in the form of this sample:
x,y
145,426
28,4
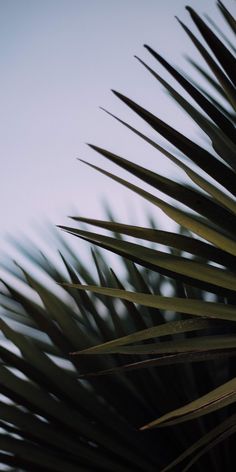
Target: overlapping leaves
x,y
210,215
63,411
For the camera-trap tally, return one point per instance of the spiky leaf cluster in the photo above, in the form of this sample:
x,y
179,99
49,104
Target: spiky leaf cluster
x,y
90,367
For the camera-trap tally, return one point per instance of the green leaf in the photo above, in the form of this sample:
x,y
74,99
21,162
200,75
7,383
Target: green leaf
x,y
209,78
49,434
220,142
192,198
166,238
183,358
182,218
205,441
188,306
86,305
204,159
41,402
219,31
190,345
138,321
165,263
213,443
56,310
219,119
212,401
227,15
223,55
37,455
218,195
172,327
217,71
118,326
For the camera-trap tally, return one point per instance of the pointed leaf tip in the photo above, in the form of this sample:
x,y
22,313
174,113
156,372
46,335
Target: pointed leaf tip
x,y
94,147
190,9
178,19
117,94
144,428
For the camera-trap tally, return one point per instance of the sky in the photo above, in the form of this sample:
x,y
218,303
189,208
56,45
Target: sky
x,y
59,59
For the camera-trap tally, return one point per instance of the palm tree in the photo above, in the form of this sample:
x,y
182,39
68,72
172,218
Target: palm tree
x,y
146,382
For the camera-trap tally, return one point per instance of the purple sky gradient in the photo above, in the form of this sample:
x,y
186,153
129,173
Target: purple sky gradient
x,y
59,60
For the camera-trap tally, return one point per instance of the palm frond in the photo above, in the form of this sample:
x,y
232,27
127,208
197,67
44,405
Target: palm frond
x,y
83,366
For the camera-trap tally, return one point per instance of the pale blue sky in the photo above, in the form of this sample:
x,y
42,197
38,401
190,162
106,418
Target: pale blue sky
x,y
59,59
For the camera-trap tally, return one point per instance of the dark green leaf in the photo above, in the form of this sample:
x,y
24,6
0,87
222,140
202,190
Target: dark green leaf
x,y
222,54
194,152
188,306
220,120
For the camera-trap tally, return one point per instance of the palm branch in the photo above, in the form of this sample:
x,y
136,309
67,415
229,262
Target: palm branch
x,y
102,373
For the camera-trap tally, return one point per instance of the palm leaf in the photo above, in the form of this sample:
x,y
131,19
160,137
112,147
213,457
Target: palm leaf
x,y
169,356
